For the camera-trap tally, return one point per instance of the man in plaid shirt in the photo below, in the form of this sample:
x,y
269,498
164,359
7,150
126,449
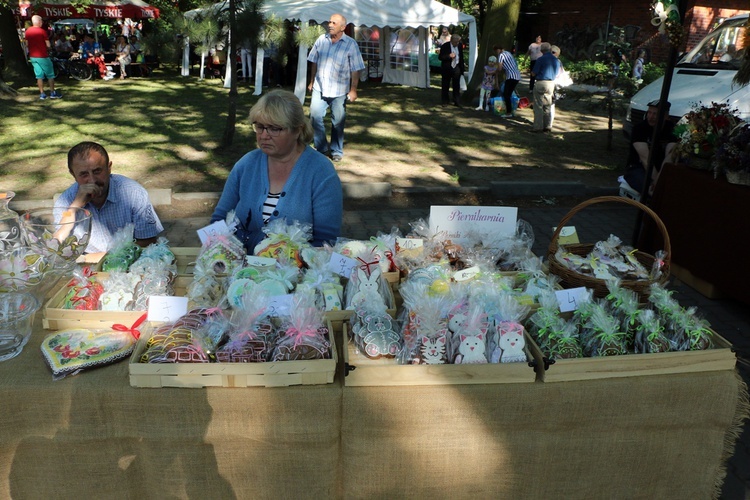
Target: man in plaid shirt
x,y
113,200
336,63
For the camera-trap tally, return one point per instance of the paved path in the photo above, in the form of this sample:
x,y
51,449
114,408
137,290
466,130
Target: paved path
x,y
730,318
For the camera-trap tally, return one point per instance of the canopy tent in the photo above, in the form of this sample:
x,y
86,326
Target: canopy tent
x,y
97,9
390,16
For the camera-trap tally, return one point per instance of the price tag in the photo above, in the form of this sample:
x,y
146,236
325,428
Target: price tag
x,y
409,243
218,228
341,265
568,300
466,274
163,308
279,305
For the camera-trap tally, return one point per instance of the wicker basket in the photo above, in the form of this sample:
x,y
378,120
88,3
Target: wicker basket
x,y
573,279
741,178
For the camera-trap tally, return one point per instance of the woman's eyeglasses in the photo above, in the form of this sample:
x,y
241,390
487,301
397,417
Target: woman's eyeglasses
x,y
272,131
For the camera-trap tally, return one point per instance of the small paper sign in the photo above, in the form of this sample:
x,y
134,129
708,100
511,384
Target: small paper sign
x,y
255,261
409,243
568,300
216,229
568,235
455,222
341,265
466,274
164,308
279,305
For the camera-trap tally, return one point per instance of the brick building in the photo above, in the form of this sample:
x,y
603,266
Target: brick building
x,y
580,29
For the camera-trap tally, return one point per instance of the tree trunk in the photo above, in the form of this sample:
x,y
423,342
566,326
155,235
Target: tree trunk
x,y
17,68
499,28
232,62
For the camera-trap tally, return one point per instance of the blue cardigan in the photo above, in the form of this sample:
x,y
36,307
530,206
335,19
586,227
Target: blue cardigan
x,y
311,194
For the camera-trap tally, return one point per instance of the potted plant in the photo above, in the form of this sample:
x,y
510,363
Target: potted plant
x,y
702,131
733,156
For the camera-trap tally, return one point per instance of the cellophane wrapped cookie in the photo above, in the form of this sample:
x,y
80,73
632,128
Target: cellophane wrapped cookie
x,y
253,335
683,327
83,291
507,341
424,323
71,351
325,284
303,335
623,305
122,252
119,291
285,239
367,284
374,332
156,255
187,340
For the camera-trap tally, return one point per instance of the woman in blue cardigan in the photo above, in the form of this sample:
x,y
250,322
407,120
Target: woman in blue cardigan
x,y
284,177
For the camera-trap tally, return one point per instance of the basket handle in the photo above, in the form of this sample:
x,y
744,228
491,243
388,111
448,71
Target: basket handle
x,y
553,244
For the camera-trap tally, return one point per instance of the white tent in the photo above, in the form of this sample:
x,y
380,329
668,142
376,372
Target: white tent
x,y
389,16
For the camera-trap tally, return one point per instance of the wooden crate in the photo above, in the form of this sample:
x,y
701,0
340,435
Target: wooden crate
x,y
362,371
720,357
195,375
54,317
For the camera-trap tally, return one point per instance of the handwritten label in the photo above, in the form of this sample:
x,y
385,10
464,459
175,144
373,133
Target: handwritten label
x,y
279,305
255,261
163,308
456,222
568,300
341,265
467,274
218,228
409,243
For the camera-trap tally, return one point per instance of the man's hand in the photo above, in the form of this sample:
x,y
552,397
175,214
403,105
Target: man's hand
x,y
352,95
85,193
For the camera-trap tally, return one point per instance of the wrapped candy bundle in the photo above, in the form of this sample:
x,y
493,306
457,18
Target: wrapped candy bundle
x,y
303,335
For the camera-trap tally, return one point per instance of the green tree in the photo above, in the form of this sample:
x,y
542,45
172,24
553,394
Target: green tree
x,y
499,27
16,66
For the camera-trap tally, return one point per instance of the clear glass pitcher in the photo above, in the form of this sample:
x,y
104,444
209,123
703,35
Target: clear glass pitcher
x,y
10,226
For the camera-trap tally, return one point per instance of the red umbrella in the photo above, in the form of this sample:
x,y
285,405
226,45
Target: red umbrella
x,y
97,9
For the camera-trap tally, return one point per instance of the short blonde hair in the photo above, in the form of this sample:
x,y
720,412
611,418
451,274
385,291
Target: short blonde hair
x,y
283,109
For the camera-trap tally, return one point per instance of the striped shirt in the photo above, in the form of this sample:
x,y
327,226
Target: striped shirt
x,y
269,206
509,65
336,62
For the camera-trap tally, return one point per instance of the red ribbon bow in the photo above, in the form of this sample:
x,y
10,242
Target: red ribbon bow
x,y
133,329
366,265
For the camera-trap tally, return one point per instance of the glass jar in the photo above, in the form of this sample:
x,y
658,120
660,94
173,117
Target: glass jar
x,y
10,226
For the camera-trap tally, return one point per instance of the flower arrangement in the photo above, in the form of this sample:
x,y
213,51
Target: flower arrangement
x,y
733,156
704,129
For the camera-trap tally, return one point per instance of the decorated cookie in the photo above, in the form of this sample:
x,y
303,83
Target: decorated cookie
x,y
69,351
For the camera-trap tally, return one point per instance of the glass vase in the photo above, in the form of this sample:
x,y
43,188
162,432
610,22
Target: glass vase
x,y
16,319
10,226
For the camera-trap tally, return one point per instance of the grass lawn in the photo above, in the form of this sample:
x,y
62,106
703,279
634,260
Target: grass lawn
x,y
164,131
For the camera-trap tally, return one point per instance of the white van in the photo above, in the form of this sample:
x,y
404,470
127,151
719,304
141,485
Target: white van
x,y
702,75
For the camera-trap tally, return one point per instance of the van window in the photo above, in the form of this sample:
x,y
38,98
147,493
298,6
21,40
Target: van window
x,y
723,48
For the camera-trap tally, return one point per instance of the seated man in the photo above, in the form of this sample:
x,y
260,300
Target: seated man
x,y
91,53
113,200
640,146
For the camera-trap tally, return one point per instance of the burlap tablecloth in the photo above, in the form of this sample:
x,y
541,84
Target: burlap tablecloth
x,y
93,436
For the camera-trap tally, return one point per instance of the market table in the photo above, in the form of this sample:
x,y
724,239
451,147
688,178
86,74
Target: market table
x,y
94,436
708,227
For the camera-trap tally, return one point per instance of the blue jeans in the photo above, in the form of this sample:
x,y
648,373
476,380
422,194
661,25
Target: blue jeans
x,y
318,107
